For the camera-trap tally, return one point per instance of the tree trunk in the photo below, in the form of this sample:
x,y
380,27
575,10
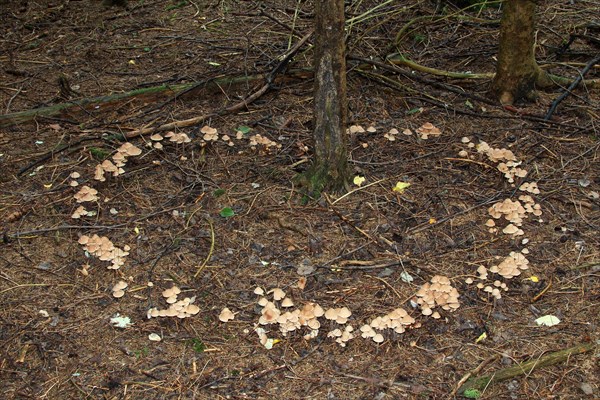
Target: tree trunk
x,y
517,72
329,169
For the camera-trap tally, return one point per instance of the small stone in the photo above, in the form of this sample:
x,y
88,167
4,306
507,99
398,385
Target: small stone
x,y
587,389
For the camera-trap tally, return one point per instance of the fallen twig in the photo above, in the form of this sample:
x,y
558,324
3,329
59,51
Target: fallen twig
x,y
481,383
572,86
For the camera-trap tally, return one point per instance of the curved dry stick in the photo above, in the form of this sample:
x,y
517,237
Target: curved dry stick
x,y
481,383
572,86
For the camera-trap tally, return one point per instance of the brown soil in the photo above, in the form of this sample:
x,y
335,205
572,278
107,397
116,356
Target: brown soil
x,y
56,338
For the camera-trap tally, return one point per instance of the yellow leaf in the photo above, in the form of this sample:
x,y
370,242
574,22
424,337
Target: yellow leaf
x,y
358,180
48,186
400,187
432,221
136,230
481,337
132,62
534,279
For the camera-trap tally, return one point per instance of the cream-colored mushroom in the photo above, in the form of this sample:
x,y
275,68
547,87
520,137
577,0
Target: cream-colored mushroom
x,y
226,315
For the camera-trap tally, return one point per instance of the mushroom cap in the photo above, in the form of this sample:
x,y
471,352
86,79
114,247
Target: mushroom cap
x,y
313,323
172,291
378,338
287,302
259,291
278,293
192,309
120,286
510,229
263,301
345,312
226,315
332,313
129,149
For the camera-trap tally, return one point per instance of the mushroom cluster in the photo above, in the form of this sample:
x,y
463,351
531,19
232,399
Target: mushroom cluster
x,y
428,129
437,292
530,187
288,321
494,290
391,134
511,266
156,140
118,290
342,336
398,320
356,129
178,138
74,176
511,169
86,194
507,162
119,159
82,212
210,134
177,308
530,205
339,315
105,250
265,142
107,166
494,154
512,211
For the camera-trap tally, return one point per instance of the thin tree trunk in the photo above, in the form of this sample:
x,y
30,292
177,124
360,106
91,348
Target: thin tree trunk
x,y
517,72
329,170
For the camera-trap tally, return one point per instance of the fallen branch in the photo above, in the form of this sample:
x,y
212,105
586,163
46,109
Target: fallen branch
x,y
89,104
572,86
525,368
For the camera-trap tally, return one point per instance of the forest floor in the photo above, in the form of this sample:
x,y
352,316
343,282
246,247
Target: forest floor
x,y
219,218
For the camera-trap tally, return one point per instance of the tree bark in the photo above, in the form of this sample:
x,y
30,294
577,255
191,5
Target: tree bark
x,y
517,72
329,169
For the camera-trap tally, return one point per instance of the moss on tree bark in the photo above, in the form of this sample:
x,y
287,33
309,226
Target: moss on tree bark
x,y
329,169
517,72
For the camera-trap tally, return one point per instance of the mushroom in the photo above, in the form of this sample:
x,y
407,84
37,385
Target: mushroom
x,y
356,129
226,315
263,301
129,149
259,291
278,293
192,309
86,194
173,291
287,302
210,134
428,129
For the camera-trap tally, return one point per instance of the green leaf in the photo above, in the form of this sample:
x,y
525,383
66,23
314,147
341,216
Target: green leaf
x,y
244,129
547,320
415,111
227,212
98,153
358,180
197,345
472,394
219,192
400,187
